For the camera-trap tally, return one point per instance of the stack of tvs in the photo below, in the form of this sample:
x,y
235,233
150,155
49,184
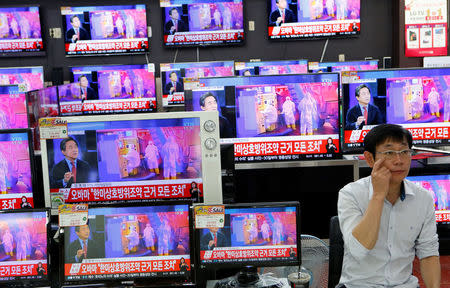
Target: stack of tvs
x,y
202,22
20,32
134,157
258,234
316,67
24,258
142,243
290,19
95,30
109,89
177,77
271,67
417,99
274,118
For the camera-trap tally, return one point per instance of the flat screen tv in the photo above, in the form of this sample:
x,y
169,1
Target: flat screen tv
x,y
301,19
13,107
129,243
202,22
176,77
271,67
16,169
276,117
258,234
316,67
25,242
95,30
20,31
134,157
418,99
31,77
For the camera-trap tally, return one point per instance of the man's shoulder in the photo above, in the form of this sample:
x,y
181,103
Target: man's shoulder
x,y
420,193
357,188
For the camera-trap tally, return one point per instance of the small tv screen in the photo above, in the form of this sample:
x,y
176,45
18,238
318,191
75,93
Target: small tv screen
x,y
112,89
439,186
271,67
42,103
94,30
16,178
135,242
274,118
202,22
24,258
316,67
253,234
13,107
177,77
31,77
300,19
417,99
20,31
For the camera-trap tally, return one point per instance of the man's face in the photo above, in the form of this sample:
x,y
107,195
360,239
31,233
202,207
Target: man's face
x,y
210,104
84,82
214,229
282,4
71,151
364,96
174,77
84,232
75,22
174,15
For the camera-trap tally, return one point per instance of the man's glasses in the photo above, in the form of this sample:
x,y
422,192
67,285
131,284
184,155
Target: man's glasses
x,y
391,154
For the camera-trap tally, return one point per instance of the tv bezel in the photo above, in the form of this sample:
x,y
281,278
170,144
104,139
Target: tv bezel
x,y
241,264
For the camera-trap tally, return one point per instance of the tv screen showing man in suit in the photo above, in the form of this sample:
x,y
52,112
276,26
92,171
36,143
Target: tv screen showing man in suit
x,y
363,113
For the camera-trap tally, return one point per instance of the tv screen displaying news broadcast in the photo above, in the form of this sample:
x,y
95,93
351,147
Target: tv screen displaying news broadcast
x,y
274,118
94,30
109,89
439,186
129,242
126,160
31,77
20,31
296,19
13,107
316,67
253,234
417,99
24,254
16,178
202,22
271,67
177,77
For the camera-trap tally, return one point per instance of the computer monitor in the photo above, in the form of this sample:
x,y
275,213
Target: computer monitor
x,y
24,256
177,77
134,157
257,234
129,243
316,67
16,169
262,115
271,67
13,107
417,98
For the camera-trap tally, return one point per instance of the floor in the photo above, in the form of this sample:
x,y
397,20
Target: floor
x,y
445,271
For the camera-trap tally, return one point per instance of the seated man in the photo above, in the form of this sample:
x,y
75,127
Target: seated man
x,y
386,220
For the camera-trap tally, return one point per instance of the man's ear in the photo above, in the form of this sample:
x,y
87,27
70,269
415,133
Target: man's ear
x,y
369,158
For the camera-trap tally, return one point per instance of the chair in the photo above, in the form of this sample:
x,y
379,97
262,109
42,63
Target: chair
x,y
336,253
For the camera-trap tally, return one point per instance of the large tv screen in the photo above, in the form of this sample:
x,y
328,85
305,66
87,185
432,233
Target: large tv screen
x,y
20,31
274,118
316,67
16,169
176,77
202,22
257,234
94,30
24,258
134,157
133,243
109,89
271,67
417,99
297,19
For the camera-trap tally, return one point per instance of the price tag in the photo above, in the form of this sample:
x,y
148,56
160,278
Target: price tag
x,y
53,128
209,216
73,214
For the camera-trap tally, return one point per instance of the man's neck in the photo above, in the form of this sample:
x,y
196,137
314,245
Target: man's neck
x,y
394,192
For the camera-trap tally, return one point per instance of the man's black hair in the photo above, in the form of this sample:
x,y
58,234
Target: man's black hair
x,y
63,143
204,96
170,11
359,89
379,134
72,17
